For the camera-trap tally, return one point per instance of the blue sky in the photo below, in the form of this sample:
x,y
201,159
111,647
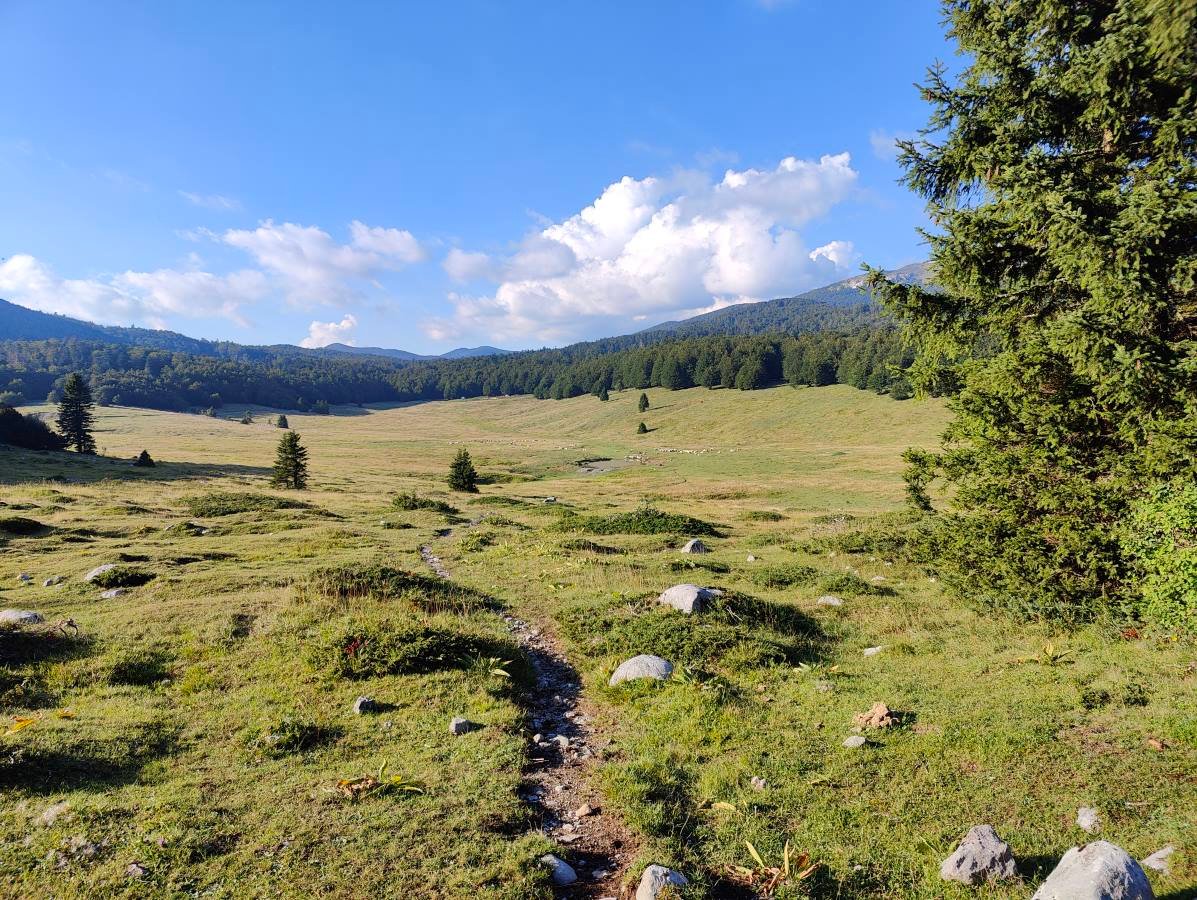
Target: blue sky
x,y
434,175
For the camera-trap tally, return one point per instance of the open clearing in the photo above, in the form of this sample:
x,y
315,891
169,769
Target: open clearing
x,y
199,728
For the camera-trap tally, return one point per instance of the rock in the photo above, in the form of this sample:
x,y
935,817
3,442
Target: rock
x,y
25,578
135,870
981,856
829,600
363,705
856,740
1158,861
643,666
694,545
112,594
1088,820
751,558
878,716
561,741
52,580
549,500
872,651
52,813
1097,871
458,725
655,879
561,872
98,571
584,810
688,598
758,783
20,617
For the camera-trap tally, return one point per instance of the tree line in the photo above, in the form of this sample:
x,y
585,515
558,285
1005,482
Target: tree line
x,y
870,358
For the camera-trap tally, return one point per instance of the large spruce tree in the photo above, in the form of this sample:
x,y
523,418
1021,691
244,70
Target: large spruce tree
x,y
1060,171
290,463
76,414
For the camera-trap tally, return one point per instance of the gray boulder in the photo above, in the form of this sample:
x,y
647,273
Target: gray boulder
x,y
52,580
854,741
364,705
25,578
113,593
981,856
1158,861
20,617
458,725
694,545
561,872
98,571
655,879
829,600
642,666
1097,871
688,598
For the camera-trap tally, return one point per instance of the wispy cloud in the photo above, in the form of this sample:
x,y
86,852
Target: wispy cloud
x,y
211,201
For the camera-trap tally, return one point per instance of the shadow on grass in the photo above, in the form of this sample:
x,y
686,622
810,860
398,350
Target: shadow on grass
x,y
32,466
84,763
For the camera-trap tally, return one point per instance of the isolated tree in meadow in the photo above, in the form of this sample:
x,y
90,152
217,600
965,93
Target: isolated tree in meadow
x,y
76,414
1060,173
290,463
462,475
641,428
643,404
282,422
603,395
144,460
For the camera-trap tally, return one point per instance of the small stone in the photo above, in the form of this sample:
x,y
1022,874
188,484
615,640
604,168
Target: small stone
x,y
458,725
364,705
1088,820
854,741
643,666
549,500
981,856
98,571
824,687
751,558
561,872
52,580
1096,871
694,546
25,578
1158,861
113,593
561,741
829,600
20,617
688,598
584,810
758,783
872,651
655,879
135,870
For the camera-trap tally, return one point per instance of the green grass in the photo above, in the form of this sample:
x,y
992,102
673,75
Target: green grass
x,y
201,725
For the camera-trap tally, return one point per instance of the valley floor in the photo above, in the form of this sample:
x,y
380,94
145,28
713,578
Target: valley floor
x,y
194,736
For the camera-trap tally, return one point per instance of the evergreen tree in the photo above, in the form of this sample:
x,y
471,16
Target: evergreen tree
x,y
603,395
144,460
75,414
1060,171
282,422
290,463
643,405
462,475
641,428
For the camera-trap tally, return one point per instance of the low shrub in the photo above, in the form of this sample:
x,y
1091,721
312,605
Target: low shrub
x,y
412,501
123,577
228,503
288,736
686,565
497,500
896,536
784,575
476,541
761,515
355,580
368,648
1160,541
589,546
645,520
852,585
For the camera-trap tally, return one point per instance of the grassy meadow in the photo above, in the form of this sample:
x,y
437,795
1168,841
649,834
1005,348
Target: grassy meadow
x,y
198,727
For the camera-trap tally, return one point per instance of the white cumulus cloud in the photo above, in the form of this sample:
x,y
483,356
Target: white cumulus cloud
x,y
313,267
656,247
131,296
321,334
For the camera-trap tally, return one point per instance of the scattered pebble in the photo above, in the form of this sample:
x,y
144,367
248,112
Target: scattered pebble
x,y
458,725
872,651
561,872
982,856
854,741
1088,819
1158,861
758,783
829,600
